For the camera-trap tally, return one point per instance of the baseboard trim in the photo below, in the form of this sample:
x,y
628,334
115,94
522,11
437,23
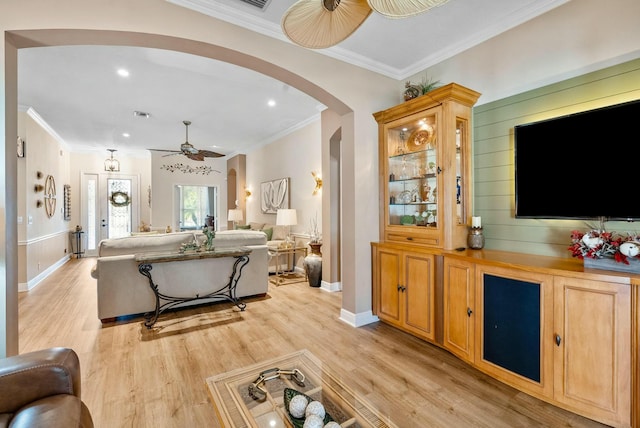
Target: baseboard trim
x,y
29,285
331,287
357,320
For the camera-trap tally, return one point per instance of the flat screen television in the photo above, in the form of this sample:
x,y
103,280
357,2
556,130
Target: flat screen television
x,y
580,166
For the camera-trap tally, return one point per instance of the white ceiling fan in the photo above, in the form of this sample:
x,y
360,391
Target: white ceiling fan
x,y
189,150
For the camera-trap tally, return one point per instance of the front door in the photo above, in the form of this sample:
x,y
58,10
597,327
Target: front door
x,y
109,207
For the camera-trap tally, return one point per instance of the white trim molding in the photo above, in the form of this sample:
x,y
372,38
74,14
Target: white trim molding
x,y
29,285
358,320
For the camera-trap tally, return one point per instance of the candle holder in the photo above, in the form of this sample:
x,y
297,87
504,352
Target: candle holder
x,y
475,239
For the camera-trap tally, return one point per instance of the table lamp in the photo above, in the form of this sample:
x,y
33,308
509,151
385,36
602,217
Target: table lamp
x,y
287,217
235,215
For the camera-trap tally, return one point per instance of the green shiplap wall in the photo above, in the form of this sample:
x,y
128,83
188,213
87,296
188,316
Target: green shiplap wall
x,y
493,157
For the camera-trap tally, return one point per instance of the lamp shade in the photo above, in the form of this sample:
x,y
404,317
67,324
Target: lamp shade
x,y
235,215
286,217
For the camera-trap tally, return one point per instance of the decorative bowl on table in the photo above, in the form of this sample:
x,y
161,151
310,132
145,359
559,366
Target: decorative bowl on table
x,y
289,394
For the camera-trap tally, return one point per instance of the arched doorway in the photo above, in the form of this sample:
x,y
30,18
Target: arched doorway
x,y
20,39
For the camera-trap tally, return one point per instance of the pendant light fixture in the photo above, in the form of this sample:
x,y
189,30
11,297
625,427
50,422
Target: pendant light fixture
x,y
112,164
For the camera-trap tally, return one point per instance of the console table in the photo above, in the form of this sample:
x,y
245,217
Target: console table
x,y
226,292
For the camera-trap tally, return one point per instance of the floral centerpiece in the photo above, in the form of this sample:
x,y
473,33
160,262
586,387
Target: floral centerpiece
x,y
605,245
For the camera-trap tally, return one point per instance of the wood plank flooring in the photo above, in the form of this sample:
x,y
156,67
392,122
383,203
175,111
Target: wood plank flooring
x,y
134,377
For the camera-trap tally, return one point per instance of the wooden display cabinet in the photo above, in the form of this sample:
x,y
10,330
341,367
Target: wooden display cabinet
x,y
425,169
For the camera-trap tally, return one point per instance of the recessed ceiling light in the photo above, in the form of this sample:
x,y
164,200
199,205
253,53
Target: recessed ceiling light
x,y
271,103
122,72
126,135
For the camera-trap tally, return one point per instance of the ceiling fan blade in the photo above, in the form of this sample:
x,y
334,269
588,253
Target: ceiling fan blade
x,y
163,150
210,154
194,156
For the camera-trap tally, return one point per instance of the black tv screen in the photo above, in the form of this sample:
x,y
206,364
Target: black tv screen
x,y
580,166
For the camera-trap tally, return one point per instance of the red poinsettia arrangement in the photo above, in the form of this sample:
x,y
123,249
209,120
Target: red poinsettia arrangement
x,y
598,245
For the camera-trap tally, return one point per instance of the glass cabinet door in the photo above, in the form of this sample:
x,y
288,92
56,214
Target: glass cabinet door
x,y
461,168
412,149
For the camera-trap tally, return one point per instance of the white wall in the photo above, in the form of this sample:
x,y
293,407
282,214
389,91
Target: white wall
x,y
295,156
42,240
571,40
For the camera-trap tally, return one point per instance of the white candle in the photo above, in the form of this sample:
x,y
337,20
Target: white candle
x,y
475,222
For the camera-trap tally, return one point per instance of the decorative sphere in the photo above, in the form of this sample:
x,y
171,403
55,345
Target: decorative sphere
x,y
313,421
297,406
629,249
332,424
592,241
315,408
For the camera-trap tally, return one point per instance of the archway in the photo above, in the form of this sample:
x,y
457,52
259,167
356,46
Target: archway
x,y
15,40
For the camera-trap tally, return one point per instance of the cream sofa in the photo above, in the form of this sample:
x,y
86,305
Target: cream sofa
x,y
122,290
276,236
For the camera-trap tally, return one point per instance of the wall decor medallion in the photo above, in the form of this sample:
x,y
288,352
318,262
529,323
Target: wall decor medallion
x,y
50,195
274,195
120,199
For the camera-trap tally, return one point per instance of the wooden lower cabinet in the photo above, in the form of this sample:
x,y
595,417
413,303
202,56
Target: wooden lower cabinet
x,y
592,352
575,332
403,281
459,304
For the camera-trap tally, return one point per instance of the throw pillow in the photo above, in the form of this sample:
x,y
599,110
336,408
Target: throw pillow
x,y
243,226
269,233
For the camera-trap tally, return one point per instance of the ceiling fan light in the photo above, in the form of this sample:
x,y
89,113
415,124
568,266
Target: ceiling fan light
x,y
317,24
403,8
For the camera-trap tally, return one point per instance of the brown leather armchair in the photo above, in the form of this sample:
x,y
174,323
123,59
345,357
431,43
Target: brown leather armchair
x,y
42,389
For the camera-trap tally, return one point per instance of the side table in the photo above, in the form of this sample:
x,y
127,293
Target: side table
x,y
77,250
287,275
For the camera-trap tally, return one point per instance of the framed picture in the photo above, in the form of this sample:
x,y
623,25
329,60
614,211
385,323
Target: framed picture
x,y
274,195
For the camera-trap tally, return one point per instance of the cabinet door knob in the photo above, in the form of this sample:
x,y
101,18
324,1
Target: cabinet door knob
x,y
409,238
558,339
400,287
439,170
469,312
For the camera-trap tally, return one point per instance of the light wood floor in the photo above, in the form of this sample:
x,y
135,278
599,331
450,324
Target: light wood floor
x,y
137,378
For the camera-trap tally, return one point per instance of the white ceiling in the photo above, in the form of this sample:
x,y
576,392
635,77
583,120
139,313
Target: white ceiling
x,y
76,91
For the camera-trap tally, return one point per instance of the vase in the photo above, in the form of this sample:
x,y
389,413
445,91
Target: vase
x,y
475,239
313,265
609,263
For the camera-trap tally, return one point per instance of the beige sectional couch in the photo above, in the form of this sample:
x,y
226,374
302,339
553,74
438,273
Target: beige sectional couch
x,y
122,290
276,236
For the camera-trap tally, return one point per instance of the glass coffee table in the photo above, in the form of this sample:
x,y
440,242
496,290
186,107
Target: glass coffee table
x,y
240,404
